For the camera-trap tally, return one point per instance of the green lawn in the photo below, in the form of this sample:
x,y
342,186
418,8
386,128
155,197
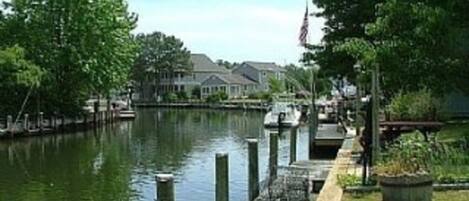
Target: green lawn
x,y
453,132
437,196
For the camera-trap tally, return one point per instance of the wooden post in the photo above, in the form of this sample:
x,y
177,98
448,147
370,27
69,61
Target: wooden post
x,y
375,123
253,170
54,120
293,145
222,177
108,110
357,110
85,120
273,156
26,123
165,187
10,123
40,121
95,113
63,122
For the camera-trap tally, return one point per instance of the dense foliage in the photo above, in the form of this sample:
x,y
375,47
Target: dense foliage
x,y
158,54
83,48
416,106
299,79
416,43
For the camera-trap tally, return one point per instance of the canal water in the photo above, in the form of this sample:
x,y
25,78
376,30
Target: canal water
x,y
119,162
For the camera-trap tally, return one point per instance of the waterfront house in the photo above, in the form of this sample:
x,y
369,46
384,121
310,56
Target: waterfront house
x,y
234,85
260,72
186,81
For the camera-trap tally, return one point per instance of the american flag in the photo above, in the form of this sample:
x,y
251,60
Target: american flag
x,y
304,29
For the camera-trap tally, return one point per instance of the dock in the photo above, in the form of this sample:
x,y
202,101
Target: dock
x,y
303,180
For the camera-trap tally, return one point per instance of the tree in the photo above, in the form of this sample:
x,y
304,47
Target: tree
x,y
300,79
276,85
416,44
84,47
160,53
344,19
17,78
226,64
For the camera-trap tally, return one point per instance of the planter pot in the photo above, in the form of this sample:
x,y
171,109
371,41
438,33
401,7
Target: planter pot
x,y
416,187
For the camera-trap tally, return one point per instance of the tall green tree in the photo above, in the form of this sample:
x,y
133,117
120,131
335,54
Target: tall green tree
x,y
344,19
18,77
85,47
417,44
299,79
159,54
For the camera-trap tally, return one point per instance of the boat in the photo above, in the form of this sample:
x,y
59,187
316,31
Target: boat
x,y
282,114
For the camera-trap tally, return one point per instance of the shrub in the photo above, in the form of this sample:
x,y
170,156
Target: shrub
x,y
182,95
406,156
348,180
416,106
195,93
170,97
217,97
261,95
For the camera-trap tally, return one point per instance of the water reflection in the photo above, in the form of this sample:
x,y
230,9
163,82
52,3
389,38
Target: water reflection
x,y
119,162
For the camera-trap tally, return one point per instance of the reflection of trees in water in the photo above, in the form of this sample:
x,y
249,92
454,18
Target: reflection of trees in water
x,y
65,167
164,138
101,165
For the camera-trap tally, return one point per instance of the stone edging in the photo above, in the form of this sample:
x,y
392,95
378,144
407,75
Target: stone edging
x,y
331,191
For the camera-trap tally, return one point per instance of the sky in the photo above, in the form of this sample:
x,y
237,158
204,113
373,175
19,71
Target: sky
x,y
232,30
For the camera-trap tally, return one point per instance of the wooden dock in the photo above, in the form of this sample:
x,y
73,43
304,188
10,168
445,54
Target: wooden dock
x,y
329,135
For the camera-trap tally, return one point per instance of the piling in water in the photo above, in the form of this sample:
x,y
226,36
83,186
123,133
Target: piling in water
x,y
273,156
253,169
293,145
26,123
164,187
221,177
40,121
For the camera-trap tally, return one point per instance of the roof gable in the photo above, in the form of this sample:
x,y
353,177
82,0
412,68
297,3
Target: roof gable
x,y
202,63
265,66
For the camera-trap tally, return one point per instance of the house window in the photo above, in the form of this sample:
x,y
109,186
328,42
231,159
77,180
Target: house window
x,y
182,88
223,88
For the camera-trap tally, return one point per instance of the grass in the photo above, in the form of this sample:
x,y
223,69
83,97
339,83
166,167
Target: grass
x,y
437,196
451,133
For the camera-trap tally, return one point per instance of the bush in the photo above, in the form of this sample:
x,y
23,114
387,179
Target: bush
x,y
348,180
170,97
196,92
415,106
261,96
406,156
182,95
217,97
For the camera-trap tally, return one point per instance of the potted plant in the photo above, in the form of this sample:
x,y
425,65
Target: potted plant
x,y
404,171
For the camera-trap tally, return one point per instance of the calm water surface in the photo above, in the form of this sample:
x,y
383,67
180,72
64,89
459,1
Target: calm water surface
x,y
119,162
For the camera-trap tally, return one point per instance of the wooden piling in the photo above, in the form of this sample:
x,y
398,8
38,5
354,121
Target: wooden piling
x,y
293,145
253,169
40,121
95,113
63,122
54,120
108,110
164,187
10,123
273,156
26,123
221,177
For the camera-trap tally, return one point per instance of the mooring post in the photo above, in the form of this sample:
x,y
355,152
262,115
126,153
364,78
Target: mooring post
x,y
40,121
273,156
10,123
63,122
221,177
54,121
85,120
26,123
293,145
108,110
253,170
164,187
95,113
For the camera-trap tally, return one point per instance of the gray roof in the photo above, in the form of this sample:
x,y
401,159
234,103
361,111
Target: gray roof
x,y
202,63
232,79
265,66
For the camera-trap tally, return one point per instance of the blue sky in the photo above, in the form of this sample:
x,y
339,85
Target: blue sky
x,y
233,30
